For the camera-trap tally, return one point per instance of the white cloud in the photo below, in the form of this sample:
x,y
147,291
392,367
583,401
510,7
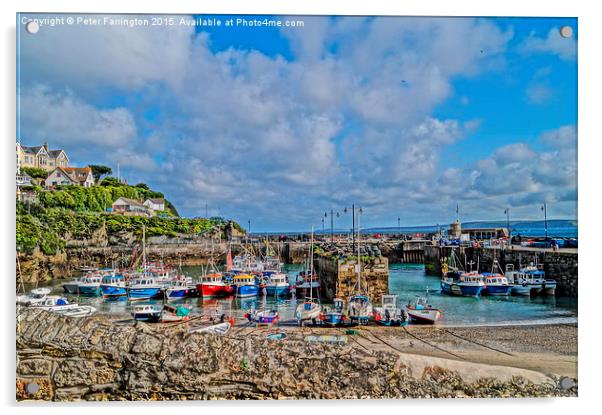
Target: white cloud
x,y
69,121
348,119
553,43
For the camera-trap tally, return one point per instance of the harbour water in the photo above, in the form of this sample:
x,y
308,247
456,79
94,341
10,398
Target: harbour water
x,y
405,280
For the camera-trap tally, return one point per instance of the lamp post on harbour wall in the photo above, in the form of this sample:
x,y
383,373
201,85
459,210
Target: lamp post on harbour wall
x,y
398,225
332,213
544,208
354,209
323,225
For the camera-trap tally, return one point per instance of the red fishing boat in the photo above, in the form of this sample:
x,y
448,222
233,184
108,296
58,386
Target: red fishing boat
x,y
213,285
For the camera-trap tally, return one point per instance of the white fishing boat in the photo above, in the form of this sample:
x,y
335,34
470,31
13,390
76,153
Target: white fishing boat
x,y
35,297
310,309
55,303
531,276
420,311
388,314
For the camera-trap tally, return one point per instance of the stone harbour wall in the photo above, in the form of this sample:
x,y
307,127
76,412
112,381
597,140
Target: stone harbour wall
x,y
339,277
67,359
562,266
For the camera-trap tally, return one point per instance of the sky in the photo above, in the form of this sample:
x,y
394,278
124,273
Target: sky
x,y
407,117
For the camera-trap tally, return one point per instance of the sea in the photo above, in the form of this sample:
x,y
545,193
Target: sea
x,y
405,280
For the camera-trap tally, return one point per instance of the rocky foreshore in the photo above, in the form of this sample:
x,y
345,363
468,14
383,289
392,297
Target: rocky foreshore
x,y
66,359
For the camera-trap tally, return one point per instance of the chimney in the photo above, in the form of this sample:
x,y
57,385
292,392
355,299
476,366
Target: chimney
x,y
46,145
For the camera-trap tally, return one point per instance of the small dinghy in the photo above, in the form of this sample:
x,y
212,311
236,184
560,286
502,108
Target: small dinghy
x,y
221,328
79,311
263,318
276,336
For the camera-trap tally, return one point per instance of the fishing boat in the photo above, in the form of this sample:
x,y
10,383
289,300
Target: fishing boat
x,y
147,312
143,288
263,318
89,285
359,306
177,288
421,312
35,297
245,286
388,314
333,316
522,289
113,286
307,282
531,276
311,308
456,281
71,286
214,285
277,284
54,303
496,284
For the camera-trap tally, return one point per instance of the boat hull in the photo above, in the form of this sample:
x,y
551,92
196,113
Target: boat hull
x,y
89,289
277,290
113,291
152,317
247,291
143,293
332,319
521,290
423,316
214,290
177,293
549,288
497,290
70,288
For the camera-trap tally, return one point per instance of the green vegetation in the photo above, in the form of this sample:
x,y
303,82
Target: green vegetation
x,y
35,172
97,198
78,213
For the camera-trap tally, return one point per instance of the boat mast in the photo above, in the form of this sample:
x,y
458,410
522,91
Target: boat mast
x,y
359,258
143,248
311,265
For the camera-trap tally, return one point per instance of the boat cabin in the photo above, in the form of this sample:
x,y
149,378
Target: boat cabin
x,y
389,301
244,279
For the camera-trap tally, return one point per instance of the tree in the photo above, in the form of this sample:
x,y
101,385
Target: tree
x,y
111,181
35,172
98,171
143,186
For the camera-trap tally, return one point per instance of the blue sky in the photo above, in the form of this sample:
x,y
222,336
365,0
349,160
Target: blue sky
x,y
406,117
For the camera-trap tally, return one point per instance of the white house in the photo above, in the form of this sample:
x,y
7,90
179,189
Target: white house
x,y
130,207
157,204
81,176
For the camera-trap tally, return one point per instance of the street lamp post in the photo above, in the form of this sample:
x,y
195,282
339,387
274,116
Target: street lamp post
x,y
544,208
398,225
332,213
323,226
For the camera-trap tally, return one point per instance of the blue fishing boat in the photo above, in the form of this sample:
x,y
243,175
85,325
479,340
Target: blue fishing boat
x,y
178,288
113,286
456,281
333,316
143,288
263,318
89,285
277,284
245,286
